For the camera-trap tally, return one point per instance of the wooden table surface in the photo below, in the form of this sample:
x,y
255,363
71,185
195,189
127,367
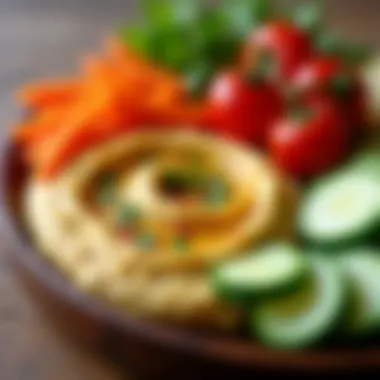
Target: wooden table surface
x,y
42,38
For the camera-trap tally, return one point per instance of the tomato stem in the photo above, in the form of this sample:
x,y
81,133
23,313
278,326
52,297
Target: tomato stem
x,y
341,85
263,70
301,114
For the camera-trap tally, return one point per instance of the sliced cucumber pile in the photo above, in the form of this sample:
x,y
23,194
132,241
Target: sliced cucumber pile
x,y
270,270
362,267
297,298
342,208
307,316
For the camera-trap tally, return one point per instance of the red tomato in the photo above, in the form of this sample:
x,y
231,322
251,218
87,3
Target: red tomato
x,y
311,142
284,42
328,78
242,109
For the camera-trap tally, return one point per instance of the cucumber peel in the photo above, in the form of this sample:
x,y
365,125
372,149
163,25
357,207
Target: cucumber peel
x,y
362,268
341,209
307,316
270,270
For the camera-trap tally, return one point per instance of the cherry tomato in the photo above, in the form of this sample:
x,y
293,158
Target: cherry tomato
x,y
309,141
287,46
243,109
329,78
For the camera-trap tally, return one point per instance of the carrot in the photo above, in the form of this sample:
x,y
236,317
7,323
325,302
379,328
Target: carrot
x,y
88,126
49,155
50,93
41,124
115,92
51,119
60,149
124,58
125,61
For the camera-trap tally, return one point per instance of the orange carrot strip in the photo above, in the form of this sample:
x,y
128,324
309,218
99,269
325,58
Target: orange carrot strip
x,y
49,93
116,91
125,60
56,152
120,55
40,125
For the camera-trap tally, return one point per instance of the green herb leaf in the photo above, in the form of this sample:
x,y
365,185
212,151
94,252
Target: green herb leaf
x,y
136,37
212,40
357,54
157,12
170,50
198,77
186,11
190,38
244,15
329,43
261,11
309,15
334,45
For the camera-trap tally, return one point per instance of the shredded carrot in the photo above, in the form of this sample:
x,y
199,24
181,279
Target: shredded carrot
x,y
48,94
115,92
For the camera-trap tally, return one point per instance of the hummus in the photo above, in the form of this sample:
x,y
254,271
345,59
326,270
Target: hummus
x,y
139,220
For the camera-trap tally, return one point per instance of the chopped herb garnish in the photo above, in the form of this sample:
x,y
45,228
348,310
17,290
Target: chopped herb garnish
x,y
128,216
181,243
217,192
107,178
106,188
105,195
180,181
146,240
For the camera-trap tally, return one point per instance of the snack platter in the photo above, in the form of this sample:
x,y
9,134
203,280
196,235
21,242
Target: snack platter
x,y
215,172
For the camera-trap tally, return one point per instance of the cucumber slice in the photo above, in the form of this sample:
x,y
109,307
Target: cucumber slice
x,y
367,161
306,317
271,269
362,267
341,209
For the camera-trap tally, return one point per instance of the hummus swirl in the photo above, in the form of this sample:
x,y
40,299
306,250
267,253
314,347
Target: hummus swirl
x,y
141,219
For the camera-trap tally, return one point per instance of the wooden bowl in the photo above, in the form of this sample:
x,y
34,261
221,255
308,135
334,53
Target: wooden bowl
x,y
146,348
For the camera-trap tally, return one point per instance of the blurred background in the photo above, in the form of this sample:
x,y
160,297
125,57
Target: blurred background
x,y
44,38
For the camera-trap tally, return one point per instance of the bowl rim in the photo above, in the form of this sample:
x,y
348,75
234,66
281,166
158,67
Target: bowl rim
x,y
230,350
